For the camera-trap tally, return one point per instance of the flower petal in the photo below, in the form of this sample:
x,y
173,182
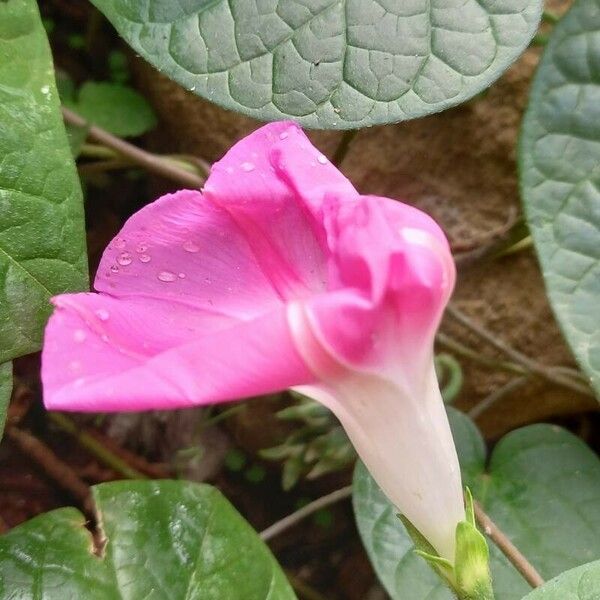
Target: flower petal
x,y
104,354
185,250
274,183
406,443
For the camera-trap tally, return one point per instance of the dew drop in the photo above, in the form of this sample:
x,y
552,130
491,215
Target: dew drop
x,y
45,89
102,314
114,269
141,248
145,258
124,259
322,159
190,246
247,166
167,276
79,335
283,135
120,243
181,275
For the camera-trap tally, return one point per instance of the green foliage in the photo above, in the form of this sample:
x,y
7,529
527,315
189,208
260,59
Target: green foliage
x,y
329,63
6,385
316,447
581,583
559,157
541,486
42,237
165,539
114,107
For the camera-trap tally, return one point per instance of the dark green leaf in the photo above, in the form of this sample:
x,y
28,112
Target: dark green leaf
x,y
6,385
329,63
581,583
114,107
560,177
165,539
42,237
542,487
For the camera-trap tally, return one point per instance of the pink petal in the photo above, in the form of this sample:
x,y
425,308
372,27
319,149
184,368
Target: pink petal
x,y
274,183
393,273
185,250
104,354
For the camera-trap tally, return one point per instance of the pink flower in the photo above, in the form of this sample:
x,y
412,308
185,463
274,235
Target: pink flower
x,y
279,274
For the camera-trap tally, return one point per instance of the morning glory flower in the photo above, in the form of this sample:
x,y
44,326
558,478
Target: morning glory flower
x,y
279,274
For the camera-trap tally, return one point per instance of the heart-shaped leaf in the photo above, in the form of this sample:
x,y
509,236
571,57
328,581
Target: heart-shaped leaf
x,y
581,583
42,237
541,486
332,64
560,177
6,385
167,539
114,107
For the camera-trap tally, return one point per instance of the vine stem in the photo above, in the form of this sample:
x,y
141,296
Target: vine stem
x,y
147,160
292,519
95,447
551,374
53,466
514,555
342,150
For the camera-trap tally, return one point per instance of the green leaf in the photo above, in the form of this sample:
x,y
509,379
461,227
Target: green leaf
x,y
559,156
167,539
581,583
542,488
42,237
333,64
6,385
114,107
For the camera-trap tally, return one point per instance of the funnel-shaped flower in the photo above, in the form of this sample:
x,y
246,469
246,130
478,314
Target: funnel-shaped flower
x,y
279,274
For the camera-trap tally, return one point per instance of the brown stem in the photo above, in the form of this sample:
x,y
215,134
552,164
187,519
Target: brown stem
x,y
497,395
140,157
342,150
514,555
291,520
53,466
531,365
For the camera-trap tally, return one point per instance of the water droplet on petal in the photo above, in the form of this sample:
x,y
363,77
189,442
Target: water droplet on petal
x,y
120,243
102,314
322,159
74,366
124,259
145,258
190,246
79,335
181,275
167,276
114,269
247,166
141,248
283,135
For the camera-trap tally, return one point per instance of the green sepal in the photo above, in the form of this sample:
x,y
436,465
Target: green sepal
x,y
425,550
469,577
472,558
